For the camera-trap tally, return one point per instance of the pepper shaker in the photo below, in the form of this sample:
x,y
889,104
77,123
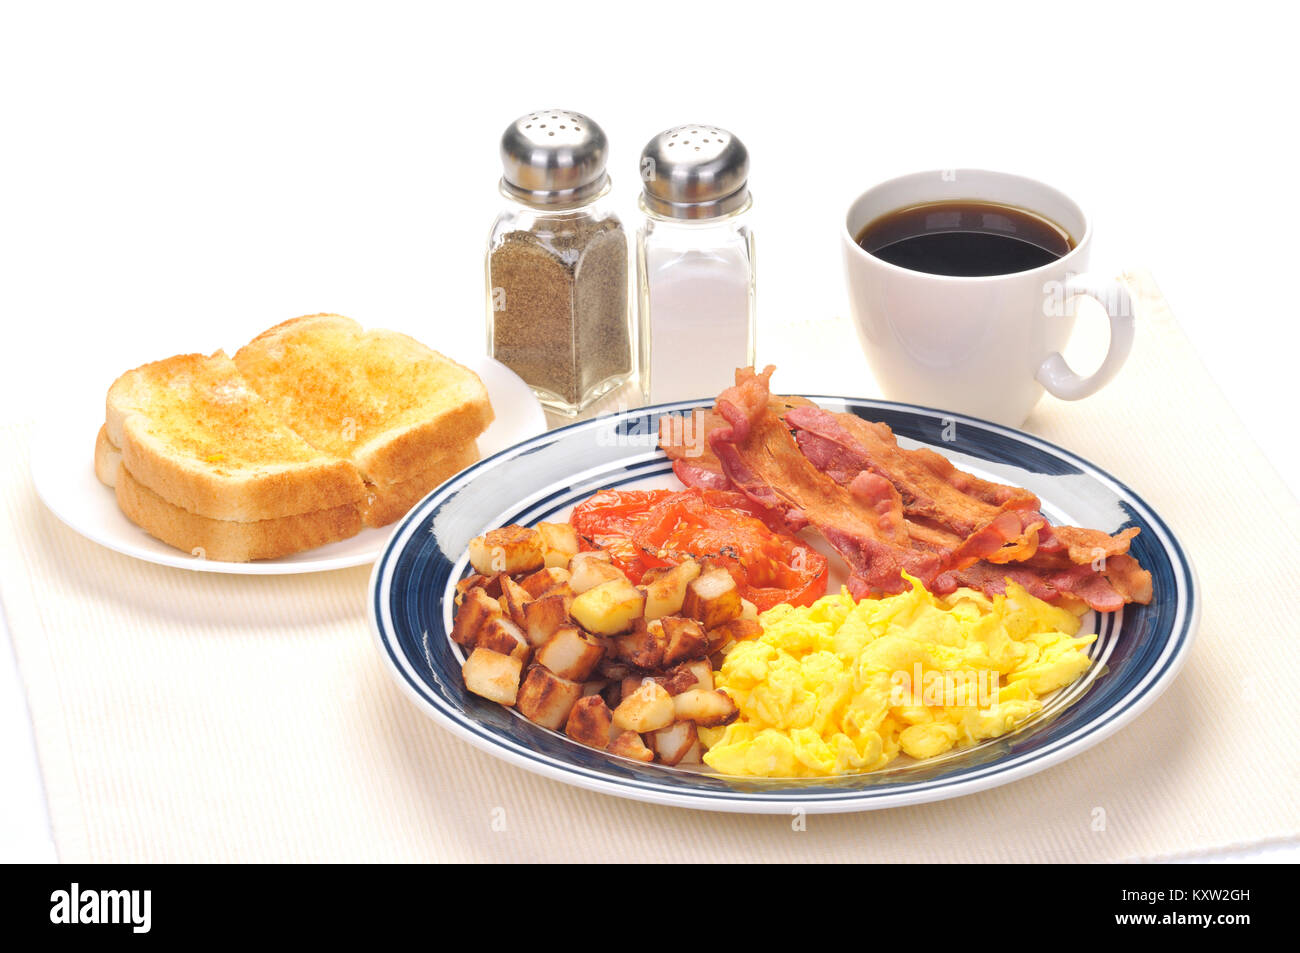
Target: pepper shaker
x,y
695,263
557,264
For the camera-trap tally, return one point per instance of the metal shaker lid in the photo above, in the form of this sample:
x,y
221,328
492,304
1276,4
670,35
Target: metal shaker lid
x,y
694,171
554,157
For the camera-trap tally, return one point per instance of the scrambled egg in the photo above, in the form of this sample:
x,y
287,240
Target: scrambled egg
x,y
840,687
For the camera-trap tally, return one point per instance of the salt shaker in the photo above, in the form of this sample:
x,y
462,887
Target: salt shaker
x,y
695,263
557,264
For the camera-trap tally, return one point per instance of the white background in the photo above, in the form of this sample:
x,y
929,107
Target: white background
x,y
176,178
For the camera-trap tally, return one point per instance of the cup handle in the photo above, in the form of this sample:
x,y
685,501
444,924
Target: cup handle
x,y
1055,374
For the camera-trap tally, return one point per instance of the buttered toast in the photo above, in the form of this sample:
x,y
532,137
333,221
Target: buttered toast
x,y
191,429
231,540
379,399
317,429
386,502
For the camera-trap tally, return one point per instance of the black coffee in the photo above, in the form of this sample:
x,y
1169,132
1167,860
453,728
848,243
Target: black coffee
x,y
965,239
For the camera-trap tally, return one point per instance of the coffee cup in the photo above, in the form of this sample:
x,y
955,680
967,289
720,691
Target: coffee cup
x,y
983,344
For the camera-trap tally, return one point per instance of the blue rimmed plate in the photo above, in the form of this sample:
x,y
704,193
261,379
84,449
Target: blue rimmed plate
x,y
1138,652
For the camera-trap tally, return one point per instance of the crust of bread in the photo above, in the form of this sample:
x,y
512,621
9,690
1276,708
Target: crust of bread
x,y
385,504
404,454
107,458
227,540
192,431
381,399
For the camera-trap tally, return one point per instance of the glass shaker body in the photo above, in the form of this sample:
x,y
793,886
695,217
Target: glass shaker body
x,y
557,298
695,290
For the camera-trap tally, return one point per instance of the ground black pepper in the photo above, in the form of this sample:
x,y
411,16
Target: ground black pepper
x,y
560,306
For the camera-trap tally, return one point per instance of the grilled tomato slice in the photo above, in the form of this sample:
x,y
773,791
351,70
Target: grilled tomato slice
x,y
642,529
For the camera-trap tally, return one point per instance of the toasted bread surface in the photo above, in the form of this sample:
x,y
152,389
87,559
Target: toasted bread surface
x,y
228,540
389,502
192,431
382,400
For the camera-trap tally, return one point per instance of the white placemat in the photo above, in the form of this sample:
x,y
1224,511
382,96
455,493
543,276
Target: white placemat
x,y
199,717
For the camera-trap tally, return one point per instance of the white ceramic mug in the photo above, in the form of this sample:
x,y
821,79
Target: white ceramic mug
x,y
985,346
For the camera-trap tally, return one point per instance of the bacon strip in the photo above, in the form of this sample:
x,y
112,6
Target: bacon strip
x,y
886,509
1130,580
930,485
844,446
685,440
863,523
700,476
1015,534
1081,582
1065,546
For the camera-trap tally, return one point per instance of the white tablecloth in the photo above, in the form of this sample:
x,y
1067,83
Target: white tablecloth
x,y
194,716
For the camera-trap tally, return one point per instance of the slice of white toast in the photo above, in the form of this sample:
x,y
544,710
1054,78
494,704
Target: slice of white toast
x,y
382,400
192,431
231,540
388,502
107,458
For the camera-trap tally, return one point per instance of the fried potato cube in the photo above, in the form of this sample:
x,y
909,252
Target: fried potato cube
x,y
748,610
502,635
544,579
542,617
546,698
702,671
708,708
560,543
629,745
610,668
694,754
608,609
513,599
649,708
512,549
476,610
631,683
679,680
665,593
472,581
654,572
571,653
492,675
480,557
589,722
688,675
736,630
589,570
563,589
712,598
684,639
644,646
672,743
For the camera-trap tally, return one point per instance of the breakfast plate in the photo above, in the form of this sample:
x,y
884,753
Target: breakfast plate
x,y
65,480
1138,652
